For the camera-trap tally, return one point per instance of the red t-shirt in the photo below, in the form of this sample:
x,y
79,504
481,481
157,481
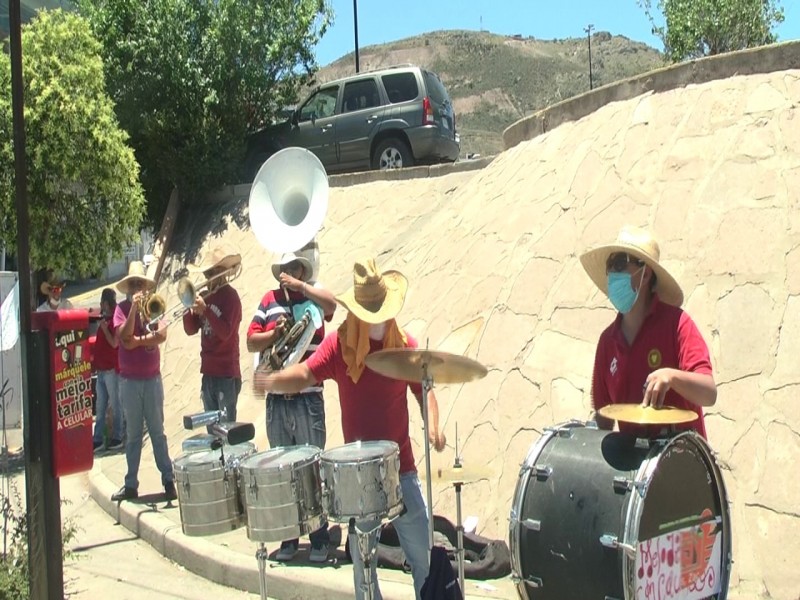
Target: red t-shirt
x,y
139,363
105,355
219,341
375,408
668,338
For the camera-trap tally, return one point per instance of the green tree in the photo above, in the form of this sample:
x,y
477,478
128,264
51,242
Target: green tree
x,y
696,28
85,199
190,79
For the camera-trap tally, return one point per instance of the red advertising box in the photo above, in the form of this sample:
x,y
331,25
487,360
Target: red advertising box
x,y
70,387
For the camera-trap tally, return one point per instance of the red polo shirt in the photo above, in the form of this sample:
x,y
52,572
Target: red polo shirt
x,y
668,338
375,408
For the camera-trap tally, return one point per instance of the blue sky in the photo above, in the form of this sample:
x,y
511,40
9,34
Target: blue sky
x,y
380,22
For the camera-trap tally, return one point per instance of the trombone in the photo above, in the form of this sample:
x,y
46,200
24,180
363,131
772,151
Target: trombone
x,y
153,308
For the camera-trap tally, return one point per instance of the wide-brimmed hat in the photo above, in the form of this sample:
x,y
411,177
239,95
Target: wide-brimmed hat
x,y
375,297
136,271
52,281
291,257
219,255
639,243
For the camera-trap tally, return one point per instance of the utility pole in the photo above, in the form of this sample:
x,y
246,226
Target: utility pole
x,y
588,30
355,29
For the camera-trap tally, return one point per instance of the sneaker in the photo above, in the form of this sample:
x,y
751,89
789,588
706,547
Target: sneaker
x,y
97,446
169,491
287,551
318,554
115,445
125,493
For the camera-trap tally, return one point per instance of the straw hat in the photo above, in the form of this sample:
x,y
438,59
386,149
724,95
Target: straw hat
x,y
289,258
375,297
639,243
52,281
136,271
220,255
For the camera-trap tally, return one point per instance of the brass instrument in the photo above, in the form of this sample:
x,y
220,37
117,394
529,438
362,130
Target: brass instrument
x,y
151,307
288,203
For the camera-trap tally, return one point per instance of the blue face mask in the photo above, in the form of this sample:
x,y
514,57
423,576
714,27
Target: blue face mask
x,y
621,293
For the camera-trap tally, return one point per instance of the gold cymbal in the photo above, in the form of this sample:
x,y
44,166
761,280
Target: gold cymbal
x,y
410,365
636,413
460,474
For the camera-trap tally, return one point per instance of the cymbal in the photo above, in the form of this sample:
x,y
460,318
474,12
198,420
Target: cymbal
x,y
636,413
460,474
409,365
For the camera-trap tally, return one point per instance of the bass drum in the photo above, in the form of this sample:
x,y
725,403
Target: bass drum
x,y
598,514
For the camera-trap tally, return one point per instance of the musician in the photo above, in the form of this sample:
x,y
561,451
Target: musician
x,y
105,365
140,385
217,313
297,418
653,352
373,407
52,288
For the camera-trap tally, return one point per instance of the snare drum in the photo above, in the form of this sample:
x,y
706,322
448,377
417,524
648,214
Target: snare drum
x,y
207,489
598,514
362,481
281,493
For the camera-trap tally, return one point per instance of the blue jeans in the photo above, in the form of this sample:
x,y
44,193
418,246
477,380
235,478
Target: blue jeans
x,y
108,395
143,402
412,529
221,393
294,420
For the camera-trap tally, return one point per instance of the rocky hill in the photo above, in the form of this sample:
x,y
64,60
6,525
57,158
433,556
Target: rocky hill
x,y
496,79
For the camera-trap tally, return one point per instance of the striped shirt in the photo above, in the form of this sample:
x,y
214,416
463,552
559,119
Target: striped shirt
x,y
273,306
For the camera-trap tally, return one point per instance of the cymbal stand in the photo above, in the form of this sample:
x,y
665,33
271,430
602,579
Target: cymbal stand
x,y
459,523
427,386
261,557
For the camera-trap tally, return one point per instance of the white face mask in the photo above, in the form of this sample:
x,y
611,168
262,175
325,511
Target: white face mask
x,y
377,331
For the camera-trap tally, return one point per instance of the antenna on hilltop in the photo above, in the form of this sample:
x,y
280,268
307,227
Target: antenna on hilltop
x,y
481,18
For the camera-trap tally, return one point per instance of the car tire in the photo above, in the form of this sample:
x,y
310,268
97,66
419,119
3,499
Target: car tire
x,y
392,153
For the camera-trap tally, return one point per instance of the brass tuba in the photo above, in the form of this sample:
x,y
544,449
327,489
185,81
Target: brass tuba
x,y
288,203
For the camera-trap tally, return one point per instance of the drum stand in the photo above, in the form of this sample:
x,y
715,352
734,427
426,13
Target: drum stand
x,y
261,557
367,556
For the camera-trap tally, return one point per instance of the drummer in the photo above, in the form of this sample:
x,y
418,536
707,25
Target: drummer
x,y
653,352
373,407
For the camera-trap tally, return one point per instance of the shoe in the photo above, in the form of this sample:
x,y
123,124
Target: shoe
x,y
125,493
97,446
169,491
287,551
115,445
318,554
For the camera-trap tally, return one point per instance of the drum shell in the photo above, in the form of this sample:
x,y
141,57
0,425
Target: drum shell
x,y
579,485
282,501
208,494
366,485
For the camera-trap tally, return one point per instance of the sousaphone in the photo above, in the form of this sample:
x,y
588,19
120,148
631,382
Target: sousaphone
x,y
288,203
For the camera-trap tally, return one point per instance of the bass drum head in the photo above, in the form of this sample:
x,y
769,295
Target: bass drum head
x,y
680,525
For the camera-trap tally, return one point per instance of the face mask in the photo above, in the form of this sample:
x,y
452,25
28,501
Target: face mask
x,y
376,332
621,293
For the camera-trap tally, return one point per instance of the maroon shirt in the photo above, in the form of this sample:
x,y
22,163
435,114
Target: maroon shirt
x,y
668,338
375,408
219,342
105,355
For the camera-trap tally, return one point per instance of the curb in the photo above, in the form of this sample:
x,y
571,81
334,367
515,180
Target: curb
x,y
222,565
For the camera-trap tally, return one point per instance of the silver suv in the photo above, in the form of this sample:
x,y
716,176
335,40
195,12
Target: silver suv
x,y
383,119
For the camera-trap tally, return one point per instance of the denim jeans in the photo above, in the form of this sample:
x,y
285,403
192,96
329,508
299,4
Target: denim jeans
x,y
143,402
412,529
107,394
221,393
294,420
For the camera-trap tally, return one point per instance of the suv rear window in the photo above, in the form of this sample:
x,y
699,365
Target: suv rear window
x,y
400,87
436,89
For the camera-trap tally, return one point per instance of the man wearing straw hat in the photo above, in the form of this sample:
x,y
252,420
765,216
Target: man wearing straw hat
x,y
52,288
652,353
140,384
374,407
294,419
217,312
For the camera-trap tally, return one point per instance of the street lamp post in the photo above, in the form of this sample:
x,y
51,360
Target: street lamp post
x,y
588,30
355,29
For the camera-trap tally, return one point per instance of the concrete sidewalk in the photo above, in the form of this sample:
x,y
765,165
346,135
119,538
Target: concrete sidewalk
x,y
229,558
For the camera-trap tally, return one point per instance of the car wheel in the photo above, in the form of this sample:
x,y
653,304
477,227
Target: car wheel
x,y
392,153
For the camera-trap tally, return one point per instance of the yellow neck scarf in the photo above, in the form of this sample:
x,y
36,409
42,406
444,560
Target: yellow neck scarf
x,y
354,339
